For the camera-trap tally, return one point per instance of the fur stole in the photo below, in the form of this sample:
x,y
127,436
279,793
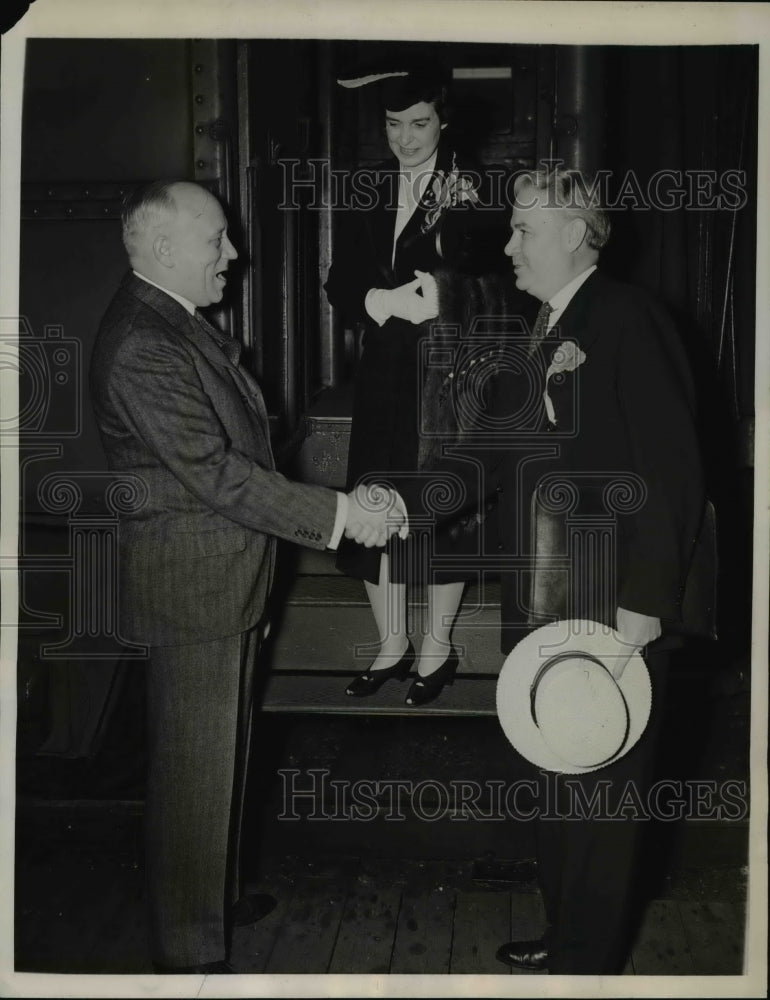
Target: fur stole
x,y
464,342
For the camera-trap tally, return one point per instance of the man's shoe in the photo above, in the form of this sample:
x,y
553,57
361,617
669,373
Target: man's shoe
x,y
524,955
249,909
205,969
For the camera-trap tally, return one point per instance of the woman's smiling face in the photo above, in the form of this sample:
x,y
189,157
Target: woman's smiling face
x,y
413,134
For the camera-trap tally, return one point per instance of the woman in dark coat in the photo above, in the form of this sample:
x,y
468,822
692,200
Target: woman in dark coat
x,y
411,219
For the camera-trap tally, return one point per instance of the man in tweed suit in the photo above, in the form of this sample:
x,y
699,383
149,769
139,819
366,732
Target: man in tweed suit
x,y
177,410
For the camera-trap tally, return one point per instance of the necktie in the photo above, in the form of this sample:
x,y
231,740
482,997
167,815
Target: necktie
x,y
229,345
540,329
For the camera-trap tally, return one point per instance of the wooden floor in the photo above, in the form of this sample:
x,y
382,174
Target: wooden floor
x,y
80,914
80,904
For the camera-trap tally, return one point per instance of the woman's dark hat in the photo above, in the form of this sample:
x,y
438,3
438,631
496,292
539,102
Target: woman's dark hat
x,y
400,85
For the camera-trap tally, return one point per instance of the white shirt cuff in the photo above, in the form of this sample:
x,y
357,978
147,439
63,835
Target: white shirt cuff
x,y
375,305
340,521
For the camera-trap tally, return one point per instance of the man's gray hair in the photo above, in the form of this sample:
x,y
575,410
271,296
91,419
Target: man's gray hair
x,y
575,192
143,208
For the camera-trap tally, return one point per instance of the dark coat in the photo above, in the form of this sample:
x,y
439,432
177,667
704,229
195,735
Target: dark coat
x,y
197,550
388,394
623,451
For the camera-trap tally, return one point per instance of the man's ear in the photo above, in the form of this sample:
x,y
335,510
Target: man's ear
x,y
161,251
575,233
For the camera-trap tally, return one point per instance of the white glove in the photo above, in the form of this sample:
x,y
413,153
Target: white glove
x,y
405,302
429,290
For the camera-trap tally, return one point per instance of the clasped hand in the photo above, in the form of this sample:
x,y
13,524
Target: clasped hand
x,y
406,302
373,515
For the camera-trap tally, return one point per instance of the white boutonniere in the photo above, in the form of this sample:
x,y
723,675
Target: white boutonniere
x,y
565,358
446,191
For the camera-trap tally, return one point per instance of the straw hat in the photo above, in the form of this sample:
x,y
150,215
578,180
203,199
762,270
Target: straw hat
x,y
559,704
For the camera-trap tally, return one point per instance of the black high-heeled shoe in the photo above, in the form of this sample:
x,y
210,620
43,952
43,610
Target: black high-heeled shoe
x,y
425,689
372,680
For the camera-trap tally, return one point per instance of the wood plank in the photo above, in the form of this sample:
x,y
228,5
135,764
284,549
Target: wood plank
x,y
715,931
309,929
424,934
661,947
367,929
527,924
482,923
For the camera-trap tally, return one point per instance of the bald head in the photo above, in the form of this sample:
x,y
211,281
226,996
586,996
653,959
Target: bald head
x,y
175,234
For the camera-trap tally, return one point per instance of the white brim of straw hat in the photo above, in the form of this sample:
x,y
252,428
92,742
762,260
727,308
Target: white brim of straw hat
x,y
559,704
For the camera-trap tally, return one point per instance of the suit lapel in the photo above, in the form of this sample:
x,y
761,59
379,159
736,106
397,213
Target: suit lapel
x,y
381,222
573,325
247,385
179,318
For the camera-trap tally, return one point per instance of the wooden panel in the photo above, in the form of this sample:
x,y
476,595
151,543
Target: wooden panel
x,y
107,109
661,947
368,927
715,932
482,924
310,927
424,935
527,923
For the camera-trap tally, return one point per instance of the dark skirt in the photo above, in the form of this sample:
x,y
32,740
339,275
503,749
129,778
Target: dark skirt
x,y
385,435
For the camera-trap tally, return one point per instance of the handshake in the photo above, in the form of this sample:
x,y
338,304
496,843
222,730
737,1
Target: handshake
x,y
374,514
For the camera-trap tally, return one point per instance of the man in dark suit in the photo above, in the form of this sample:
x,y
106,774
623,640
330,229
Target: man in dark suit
x,y
596,407
179,413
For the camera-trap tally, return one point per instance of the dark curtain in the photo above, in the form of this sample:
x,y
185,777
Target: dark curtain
x,y
693,112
